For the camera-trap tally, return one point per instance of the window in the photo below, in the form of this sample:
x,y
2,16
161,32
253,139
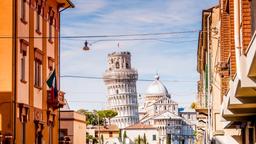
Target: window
x,y
251,136
63,132
23,11
154,137
37,22
127,65
50,63
38,12
51,18
117,65
23,133
227,7
23,53
110,134
38,68
253,15
96,134
23,66
50,134
39,137
37,73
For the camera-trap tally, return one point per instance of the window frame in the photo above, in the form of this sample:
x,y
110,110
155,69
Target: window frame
x,y
38,27
154,137
23,68
38,13
50,24
38,71
23,11
38,68
23,52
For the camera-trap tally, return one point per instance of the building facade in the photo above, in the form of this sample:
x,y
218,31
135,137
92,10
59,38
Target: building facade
x,y
161,112
239,103
120,80
73,126
144,131
209,67
108,134
226,62
29,53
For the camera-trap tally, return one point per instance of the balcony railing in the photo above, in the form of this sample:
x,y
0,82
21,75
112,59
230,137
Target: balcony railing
x,y
55,102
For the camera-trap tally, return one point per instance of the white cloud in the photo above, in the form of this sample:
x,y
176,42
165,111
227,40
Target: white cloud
x,y
98,17
85,7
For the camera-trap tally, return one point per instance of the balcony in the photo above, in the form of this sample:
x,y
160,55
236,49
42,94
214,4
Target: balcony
x,y
56,102
240,102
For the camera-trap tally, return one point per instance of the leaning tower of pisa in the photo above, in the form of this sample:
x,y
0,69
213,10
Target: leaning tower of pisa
x,y
120,80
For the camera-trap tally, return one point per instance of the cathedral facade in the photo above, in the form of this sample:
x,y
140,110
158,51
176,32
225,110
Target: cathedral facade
x,y
157,115
120,80
161,112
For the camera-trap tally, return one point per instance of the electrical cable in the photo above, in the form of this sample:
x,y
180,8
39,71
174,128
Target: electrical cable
x,y
109,36
100,78
142,39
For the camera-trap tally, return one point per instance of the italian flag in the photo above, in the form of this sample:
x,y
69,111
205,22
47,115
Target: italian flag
x,y
52,84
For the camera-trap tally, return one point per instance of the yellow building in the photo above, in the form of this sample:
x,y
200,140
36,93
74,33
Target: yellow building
x,y
73,125
29,31
109,133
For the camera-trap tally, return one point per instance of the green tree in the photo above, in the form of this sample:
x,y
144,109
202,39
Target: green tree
x,y
139,139
90,138
110,114
120,135
124,137
91,117
107,114
168,139
102,139
144,139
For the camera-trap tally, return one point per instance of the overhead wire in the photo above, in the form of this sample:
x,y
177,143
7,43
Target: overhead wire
x,y
108,36
144,39
100,78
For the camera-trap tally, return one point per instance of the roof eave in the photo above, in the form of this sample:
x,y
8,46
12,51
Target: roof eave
x,y
66,3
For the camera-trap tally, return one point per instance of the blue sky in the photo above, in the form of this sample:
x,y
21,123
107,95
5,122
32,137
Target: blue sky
x,y
171,57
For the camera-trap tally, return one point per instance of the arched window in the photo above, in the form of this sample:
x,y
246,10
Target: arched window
x,y
127,65
117,65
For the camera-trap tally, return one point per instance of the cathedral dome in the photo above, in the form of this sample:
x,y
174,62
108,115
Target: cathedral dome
x,y
157,88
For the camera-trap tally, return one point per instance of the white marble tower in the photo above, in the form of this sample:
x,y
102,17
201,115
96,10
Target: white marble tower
x,y
120,80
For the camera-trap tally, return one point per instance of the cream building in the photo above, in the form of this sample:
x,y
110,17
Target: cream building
x,y
139,129
120,80
73,125
108,134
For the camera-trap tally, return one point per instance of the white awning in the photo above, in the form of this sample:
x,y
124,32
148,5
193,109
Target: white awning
x,y
225,140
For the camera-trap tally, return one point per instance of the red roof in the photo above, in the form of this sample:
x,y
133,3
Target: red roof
x,y
112,128
140,126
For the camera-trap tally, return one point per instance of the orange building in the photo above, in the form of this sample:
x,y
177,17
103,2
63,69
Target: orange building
x,y
29,39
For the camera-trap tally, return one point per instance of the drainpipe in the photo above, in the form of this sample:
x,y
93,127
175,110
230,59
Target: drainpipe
x,y
14,35
209,78
237,37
